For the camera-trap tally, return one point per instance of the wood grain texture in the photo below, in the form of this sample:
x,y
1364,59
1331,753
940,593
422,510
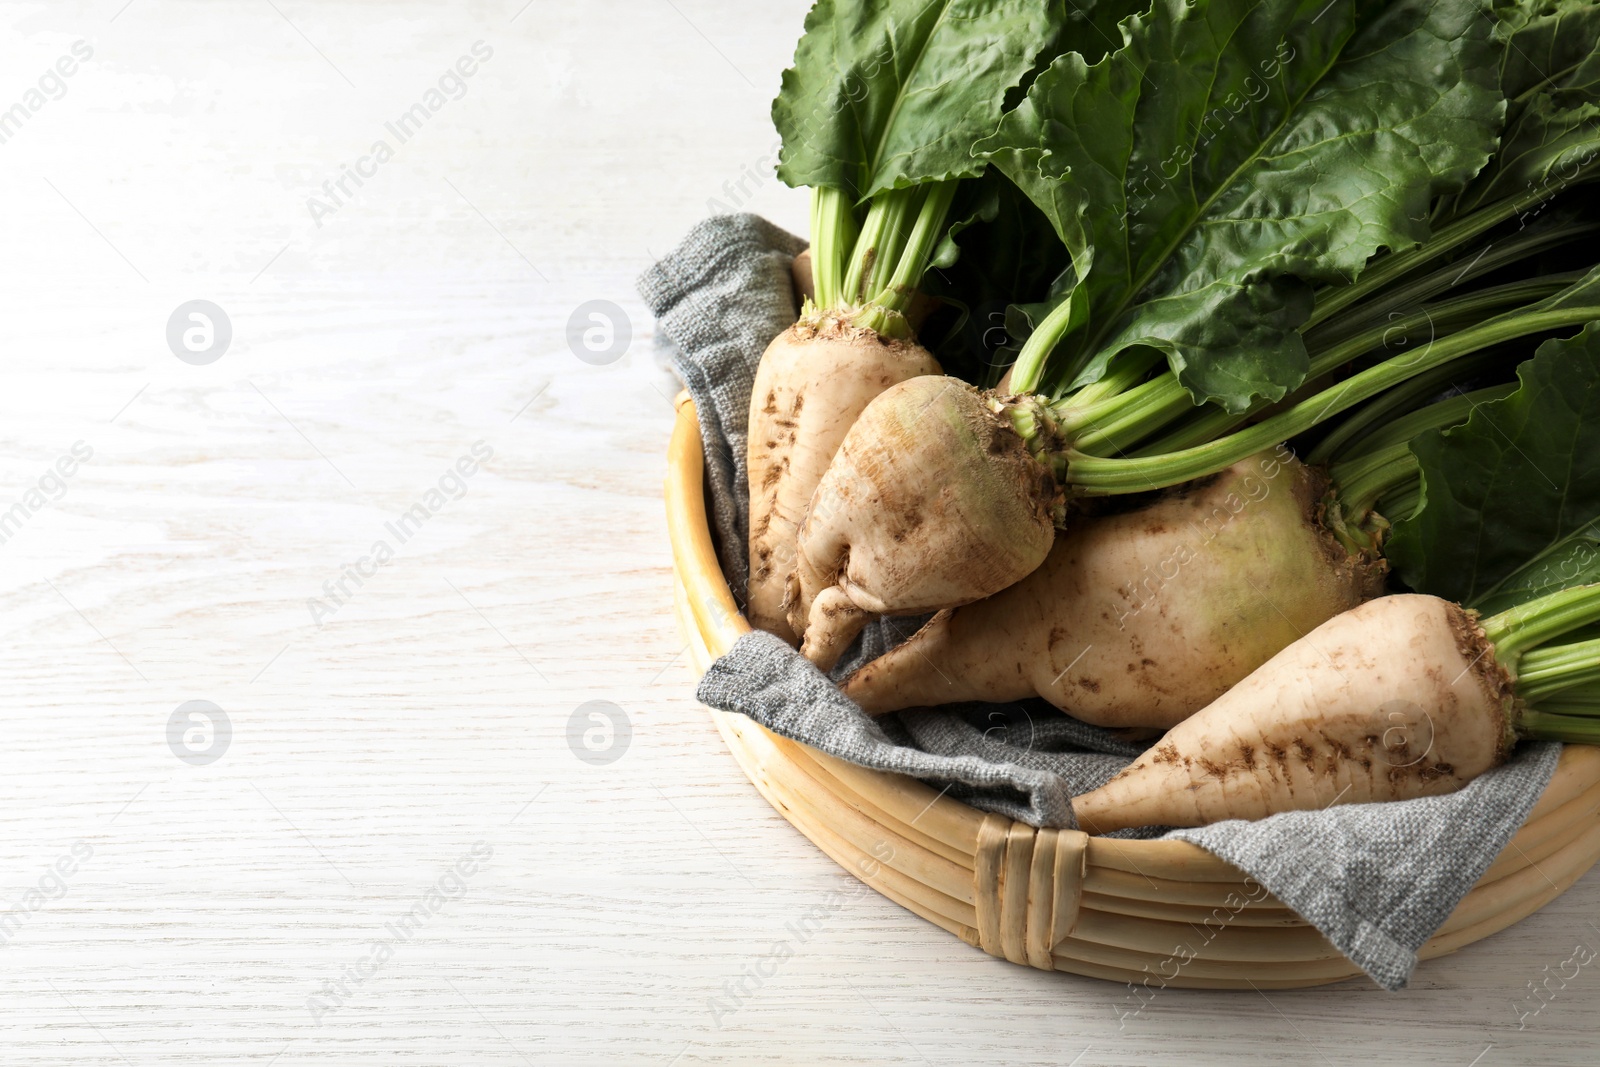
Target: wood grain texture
x,y
635,912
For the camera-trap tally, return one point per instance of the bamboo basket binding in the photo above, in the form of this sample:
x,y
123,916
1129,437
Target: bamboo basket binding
x,y
1160,913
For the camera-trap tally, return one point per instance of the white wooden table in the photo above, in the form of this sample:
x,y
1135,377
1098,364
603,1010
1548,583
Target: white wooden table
x,y
252,909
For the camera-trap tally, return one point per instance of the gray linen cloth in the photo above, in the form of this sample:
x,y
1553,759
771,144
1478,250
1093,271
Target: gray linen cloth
x,y
1376,879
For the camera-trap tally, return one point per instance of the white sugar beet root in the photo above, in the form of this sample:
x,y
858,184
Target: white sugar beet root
x,y
932,501
811,385
1399,698
1142,618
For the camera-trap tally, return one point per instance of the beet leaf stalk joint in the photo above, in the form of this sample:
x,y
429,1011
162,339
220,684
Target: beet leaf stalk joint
x,y
1527,641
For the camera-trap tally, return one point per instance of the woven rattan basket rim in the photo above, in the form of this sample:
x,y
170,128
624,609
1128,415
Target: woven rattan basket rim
x,y
1059,899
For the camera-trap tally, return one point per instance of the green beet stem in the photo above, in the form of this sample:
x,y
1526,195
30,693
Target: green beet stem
x,y
1539,725
833,232
1552,668
1517,631
1098,476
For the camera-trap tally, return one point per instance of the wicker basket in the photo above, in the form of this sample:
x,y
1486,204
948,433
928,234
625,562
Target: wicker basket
x,y
1060,899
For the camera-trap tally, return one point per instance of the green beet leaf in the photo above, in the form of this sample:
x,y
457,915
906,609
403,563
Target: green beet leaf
x,y
1233,152
1574,560
892,94
999,251
1511,497
1551,76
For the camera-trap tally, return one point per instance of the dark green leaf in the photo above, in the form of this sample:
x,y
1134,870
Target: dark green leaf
x,y
1233,151
1007,253
1554,47
894,93
1511,497
1551,76
1574,560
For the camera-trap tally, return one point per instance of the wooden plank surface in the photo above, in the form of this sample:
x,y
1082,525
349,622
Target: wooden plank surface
x,y
652,909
